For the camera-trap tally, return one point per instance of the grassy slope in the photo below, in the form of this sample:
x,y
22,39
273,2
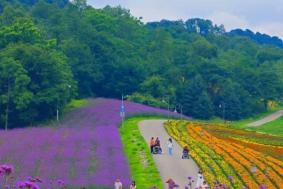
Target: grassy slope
x,y
274,127
243,122
143,168
74,104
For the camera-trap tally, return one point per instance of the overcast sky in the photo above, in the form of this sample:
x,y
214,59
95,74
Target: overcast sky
x,y
265,16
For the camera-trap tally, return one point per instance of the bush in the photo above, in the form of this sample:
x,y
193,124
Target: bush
x,y
147,99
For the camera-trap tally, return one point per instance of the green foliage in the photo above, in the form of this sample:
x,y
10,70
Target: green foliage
x,y
196,101
203,27
80,4
36,77
14,93
74,104
107,52
22,30
147,99
154,85
204,49
274,127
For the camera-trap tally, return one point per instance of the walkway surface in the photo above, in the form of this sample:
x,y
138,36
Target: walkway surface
x,y
169,166
267,119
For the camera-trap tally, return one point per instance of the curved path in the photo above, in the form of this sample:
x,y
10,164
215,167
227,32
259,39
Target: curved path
x,y
169,166
267,119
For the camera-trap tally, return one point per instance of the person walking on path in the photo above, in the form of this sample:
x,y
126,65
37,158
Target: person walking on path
x,y
152,143
118,184
200,180
170,146
133,185
171,184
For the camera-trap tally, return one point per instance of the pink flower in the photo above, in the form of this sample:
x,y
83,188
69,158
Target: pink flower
x,y
27,185
6,169
61,183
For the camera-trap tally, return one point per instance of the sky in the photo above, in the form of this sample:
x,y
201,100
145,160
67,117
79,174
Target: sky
x,y
265,16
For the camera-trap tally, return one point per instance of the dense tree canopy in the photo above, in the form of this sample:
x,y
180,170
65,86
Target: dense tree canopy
x,y
54,50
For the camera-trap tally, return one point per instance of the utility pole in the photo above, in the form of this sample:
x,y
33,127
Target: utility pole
x,y
122,109
180,112
57,109
168,106
222,105
181,108
7,108
57,106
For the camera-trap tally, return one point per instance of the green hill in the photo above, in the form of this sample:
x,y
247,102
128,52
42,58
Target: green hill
x,y
52,51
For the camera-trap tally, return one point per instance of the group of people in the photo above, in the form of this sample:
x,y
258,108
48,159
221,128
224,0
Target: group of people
x,y
118,184
155,144
155,147
200,184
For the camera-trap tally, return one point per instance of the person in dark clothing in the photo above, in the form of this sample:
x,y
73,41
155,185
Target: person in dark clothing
x,y
152,143
185,154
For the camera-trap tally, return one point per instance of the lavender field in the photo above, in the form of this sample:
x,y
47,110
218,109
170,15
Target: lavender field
x,y
84,151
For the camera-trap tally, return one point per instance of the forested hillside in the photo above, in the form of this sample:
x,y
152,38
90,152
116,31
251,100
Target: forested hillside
x,y
258,37
53,51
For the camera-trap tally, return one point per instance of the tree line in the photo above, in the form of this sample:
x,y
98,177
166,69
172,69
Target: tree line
x,y
54,50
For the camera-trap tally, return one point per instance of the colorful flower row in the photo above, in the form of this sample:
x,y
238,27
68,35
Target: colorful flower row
x,y
218,156
245,157
213,166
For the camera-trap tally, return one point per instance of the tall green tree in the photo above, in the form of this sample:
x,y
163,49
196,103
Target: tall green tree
x,y
269,86
22,30
155,86
50,77
14,93
196,101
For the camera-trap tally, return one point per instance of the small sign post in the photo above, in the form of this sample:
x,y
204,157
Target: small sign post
x,y
122,110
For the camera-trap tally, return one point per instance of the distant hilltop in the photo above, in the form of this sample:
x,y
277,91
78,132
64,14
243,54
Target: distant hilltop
x,y
206,27
258,37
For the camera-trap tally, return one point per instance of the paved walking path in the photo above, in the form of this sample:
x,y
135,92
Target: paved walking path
x,y
267,119
169,166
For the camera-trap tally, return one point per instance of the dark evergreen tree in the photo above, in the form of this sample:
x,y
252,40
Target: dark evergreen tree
x,y
196,101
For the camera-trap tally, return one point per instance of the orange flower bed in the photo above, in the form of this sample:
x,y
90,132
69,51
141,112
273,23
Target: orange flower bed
x,y
242,159
263,143
274,151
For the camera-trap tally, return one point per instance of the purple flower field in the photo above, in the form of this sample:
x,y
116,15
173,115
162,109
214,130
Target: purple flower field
x,y
85,150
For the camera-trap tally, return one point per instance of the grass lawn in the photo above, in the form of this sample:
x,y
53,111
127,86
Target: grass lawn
x,y
274,127
74,104
142,165
242,124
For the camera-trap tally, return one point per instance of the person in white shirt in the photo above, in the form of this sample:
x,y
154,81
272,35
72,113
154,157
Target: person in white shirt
x,y
118,184
200,180
170,146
